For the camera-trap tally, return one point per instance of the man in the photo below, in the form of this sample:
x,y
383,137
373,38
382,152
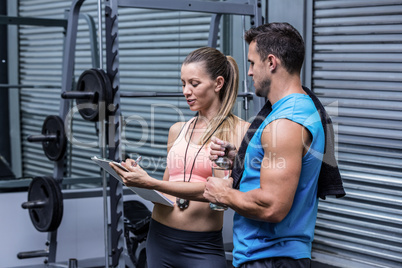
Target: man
x,y
276,204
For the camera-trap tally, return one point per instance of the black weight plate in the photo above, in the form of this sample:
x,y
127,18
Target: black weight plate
x,y
91,81
108,89
48,217
58,205
55,149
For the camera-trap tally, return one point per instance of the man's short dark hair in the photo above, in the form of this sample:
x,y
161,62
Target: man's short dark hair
x,y
281,40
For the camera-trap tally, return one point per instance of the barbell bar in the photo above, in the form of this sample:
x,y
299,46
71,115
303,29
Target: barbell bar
x,y
94,86
37,138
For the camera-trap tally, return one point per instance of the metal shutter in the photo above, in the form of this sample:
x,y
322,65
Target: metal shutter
x,y
357,72
40,61
152,45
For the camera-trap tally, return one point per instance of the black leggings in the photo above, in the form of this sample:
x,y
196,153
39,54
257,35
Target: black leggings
x,y
170,247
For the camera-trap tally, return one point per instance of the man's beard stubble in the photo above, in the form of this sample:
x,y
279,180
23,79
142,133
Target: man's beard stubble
x,y
263,89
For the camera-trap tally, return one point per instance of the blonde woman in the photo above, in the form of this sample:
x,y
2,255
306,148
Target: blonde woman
x,y
190,233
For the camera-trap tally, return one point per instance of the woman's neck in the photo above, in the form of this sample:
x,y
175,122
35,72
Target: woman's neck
x,y
204,118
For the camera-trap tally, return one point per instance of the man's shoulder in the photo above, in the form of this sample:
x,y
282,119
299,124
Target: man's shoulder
x,y
294,105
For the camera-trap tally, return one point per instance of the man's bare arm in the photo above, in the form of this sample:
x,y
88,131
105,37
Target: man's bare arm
x,y
283,143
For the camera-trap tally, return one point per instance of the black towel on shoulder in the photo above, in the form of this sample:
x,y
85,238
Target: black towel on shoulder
x,y
329,180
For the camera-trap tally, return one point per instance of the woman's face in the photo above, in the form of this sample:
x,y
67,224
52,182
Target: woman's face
x,y
200,90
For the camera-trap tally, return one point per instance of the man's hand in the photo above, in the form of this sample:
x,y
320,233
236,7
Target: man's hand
x,y
216,189
222,148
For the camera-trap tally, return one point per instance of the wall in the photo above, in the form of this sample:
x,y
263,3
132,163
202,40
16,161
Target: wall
x,y
4,122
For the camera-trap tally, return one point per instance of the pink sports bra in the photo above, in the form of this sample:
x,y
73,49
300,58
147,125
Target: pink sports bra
x,y
175,159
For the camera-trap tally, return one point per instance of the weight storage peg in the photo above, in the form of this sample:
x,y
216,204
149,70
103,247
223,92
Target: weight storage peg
x,y
45,204
93,87
53,138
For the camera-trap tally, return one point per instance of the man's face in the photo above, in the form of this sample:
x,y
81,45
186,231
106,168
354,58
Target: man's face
x,y
259,71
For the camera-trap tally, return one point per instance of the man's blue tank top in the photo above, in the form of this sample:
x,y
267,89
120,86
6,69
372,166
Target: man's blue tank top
x,y
292,237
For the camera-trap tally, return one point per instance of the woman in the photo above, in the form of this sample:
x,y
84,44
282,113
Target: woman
x,y
190,233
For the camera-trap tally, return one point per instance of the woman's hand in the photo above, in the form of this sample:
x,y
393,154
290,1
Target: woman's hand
x,y
135,176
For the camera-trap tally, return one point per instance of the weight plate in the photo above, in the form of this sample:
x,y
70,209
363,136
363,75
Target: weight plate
x,y
54,149
96,81
58,205
46,218
108,88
